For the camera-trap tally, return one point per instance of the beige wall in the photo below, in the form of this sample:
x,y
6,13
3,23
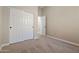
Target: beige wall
x,y
40,11
5,21
0,25
63,22
5,25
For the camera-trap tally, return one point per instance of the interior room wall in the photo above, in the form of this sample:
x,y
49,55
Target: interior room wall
x,y
0,25
63,22
5,25
40,11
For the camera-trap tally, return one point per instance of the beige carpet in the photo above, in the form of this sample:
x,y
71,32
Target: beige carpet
x,y
42,45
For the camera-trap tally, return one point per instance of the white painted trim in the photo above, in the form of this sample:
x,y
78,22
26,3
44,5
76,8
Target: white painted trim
x,y
6,44
66,41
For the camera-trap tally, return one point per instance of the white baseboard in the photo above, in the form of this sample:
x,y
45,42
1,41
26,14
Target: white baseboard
x,y
66,41
6,44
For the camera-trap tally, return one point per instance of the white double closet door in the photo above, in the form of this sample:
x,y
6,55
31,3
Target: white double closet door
x,y
21,25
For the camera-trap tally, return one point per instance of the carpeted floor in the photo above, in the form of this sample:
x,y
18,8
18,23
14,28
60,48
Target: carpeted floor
x,y
42,45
